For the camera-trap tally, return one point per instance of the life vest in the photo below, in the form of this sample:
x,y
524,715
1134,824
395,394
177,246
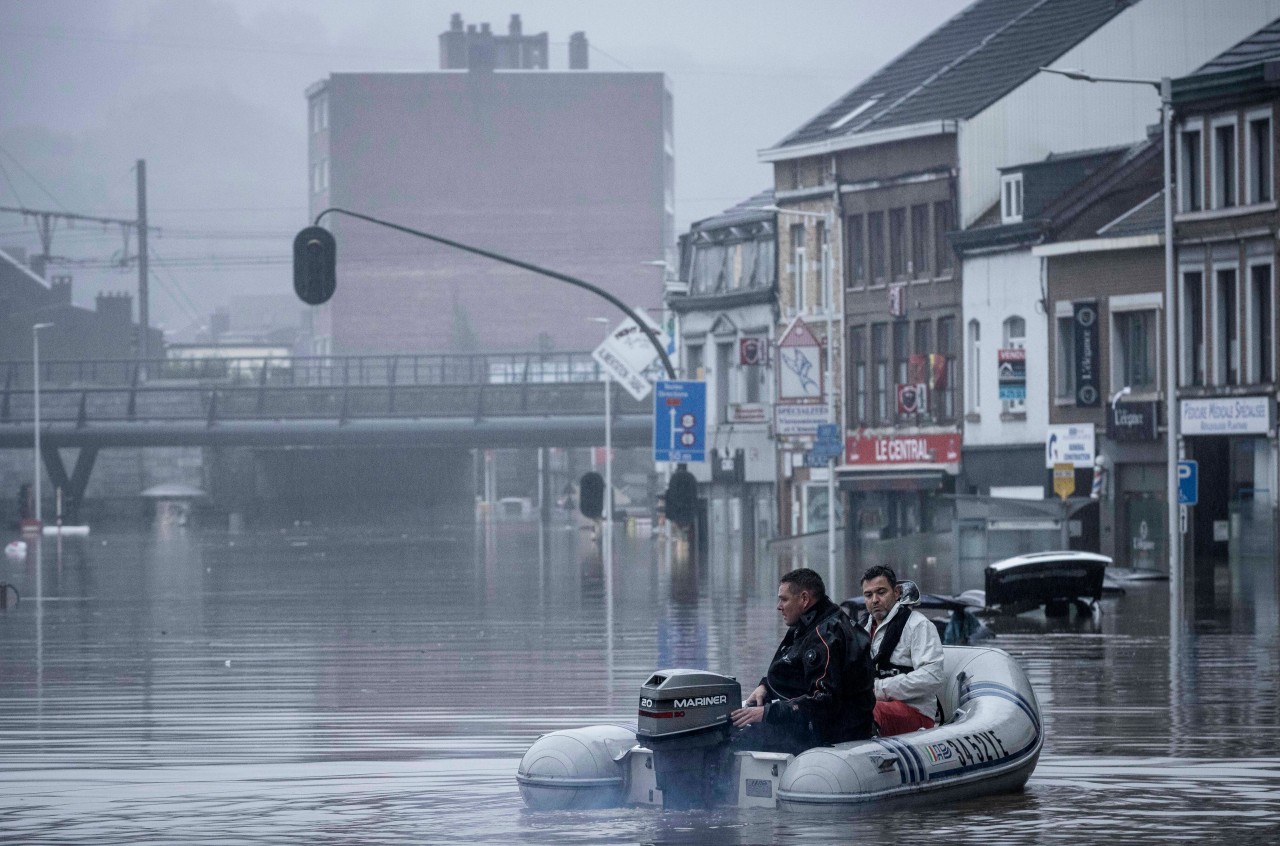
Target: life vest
x,y
889,642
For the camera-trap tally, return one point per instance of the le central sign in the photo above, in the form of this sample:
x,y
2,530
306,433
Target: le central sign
x,y
935,450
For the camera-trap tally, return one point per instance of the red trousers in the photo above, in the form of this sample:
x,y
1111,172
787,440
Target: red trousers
x,y
899,718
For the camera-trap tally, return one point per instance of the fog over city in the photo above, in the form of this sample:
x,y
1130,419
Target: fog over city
x,y
211,94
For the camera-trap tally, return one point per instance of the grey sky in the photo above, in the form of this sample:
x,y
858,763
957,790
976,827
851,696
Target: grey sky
x,y
210,93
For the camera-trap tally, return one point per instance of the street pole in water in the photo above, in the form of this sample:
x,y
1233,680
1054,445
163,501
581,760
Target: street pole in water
x,y
35,390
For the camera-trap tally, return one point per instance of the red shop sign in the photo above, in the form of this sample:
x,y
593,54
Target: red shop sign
x,y
890,450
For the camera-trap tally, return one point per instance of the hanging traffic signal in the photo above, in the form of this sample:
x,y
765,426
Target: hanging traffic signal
x,y
314,265
682,498
591,495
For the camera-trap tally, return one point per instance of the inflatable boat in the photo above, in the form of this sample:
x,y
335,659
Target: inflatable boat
x,y
675,756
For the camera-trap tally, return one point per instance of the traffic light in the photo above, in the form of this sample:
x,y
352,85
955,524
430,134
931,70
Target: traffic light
x,y
591,495
314,263
682,498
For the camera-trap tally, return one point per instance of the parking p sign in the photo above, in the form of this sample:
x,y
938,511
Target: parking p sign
x,y
1188,482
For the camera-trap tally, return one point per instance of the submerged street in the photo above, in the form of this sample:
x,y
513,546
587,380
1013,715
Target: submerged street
x,y
379,685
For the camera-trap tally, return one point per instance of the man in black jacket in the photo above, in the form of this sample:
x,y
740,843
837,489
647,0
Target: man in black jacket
x,y
820,686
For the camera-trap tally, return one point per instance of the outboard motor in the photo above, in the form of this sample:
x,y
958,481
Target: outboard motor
x,y
684,721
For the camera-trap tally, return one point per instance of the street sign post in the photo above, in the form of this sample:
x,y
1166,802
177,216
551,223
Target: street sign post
x,y
680,421
1188,482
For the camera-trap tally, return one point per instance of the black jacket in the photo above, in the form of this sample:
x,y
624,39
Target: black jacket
x,y
821,680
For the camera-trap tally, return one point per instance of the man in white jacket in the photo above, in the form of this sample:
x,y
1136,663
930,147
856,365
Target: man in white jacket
x,y
907,654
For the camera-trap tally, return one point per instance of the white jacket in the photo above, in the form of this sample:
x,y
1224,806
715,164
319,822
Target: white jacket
x,y
921,648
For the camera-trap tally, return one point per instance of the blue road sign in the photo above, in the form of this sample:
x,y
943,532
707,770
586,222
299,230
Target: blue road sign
x,y
829,432
680,421
1188,482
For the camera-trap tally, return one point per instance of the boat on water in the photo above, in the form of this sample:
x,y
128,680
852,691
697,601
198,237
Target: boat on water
x,y
676,755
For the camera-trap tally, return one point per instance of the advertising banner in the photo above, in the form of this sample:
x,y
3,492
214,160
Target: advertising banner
x,y
941,451
1088,377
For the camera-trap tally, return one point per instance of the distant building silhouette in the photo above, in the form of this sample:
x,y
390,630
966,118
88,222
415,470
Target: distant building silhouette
x,y
572,170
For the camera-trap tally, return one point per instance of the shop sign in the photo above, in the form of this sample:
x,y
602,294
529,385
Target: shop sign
x,y
1085,324
1132,421
1226,416
893,450
748,412
791,420
1072,443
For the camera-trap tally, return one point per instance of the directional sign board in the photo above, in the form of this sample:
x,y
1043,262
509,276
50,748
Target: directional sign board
x,y
1064,479
680,421
1188,482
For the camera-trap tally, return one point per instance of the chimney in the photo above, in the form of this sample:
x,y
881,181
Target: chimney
x,y
60,290
481,51
219,323
115,308
578,51
515,29
453,45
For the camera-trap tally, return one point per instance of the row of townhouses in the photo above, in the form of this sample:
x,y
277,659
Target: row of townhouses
x,y
977,244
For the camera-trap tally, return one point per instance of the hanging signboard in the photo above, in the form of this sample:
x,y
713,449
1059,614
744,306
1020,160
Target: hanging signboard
x,y
1085,326
1064,479
799,365
1132,421
753,352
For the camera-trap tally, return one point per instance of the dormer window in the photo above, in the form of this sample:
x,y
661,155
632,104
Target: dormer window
x,y
1011,198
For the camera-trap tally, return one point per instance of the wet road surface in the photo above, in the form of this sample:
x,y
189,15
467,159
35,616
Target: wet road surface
x,y
342,686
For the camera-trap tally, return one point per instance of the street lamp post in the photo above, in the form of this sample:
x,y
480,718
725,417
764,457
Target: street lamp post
x,y
829,294
35,392
1172,437
606,537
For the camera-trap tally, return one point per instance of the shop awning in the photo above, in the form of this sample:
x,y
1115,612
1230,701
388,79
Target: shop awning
x,y
905,481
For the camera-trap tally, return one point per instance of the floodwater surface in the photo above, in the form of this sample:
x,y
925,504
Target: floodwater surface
x,y
366,686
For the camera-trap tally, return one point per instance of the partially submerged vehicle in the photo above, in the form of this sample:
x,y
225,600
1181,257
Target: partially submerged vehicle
x,y
677,754
1055,580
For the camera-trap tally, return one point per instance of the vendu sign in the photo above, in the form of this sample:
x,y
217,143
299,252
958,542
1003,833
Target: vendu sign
x,y
893,450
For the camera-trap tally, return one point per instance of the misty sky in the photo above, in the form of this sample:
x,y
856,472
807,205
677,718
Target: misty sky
x,y
211,94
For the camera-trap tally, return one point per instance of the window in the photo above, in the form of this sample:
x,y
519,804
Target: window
x,y
923,332
1261,321
1135,355
1011,198
1260,168
753,377
1015,338
972,368
797,267
880,370
824,267
875,246
1224,165
1190,171
724,353
1226,340
1065,362
319,114
942,223
901,357
946,386
919,267
1192,303
856,251
898,243
858,371
320,176
693,363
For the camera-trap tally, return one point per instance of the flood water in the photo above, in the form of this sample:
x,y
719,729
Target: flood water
x,y
380,685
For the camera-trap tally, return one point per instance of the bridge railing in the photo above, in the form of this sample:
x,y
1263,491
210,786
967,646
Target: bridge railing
x,y
357,370
157,403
